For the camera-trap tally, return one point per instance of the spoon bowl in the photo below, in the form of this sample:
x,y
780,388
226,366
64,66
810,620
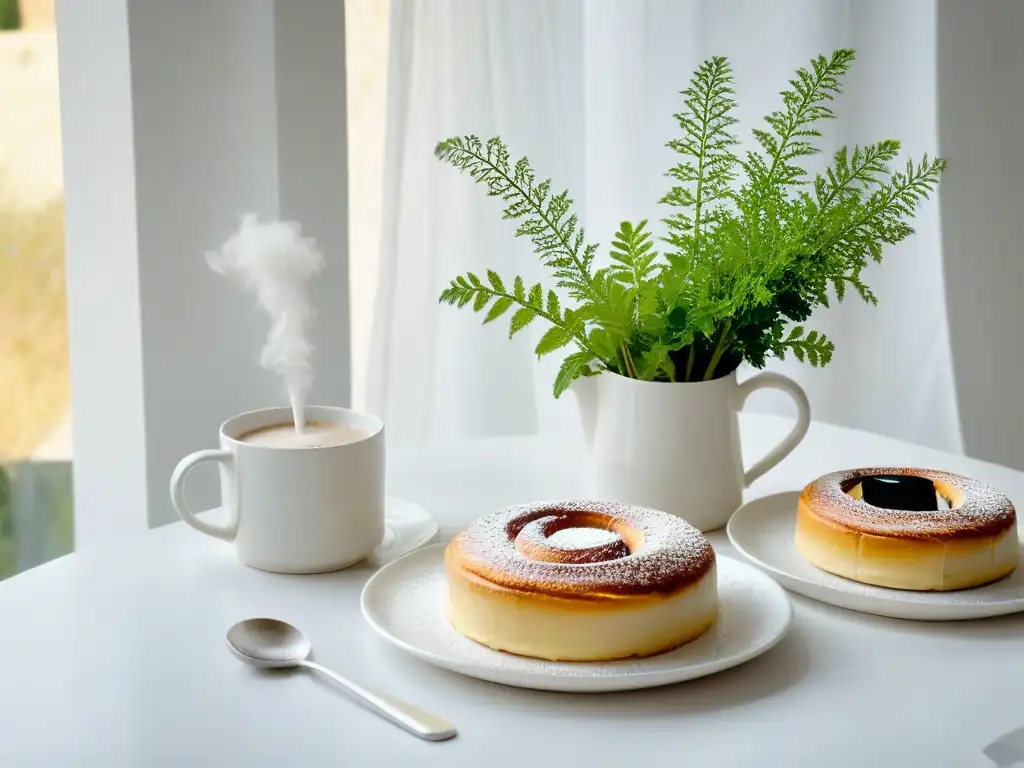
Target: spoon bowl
x,y
274,644
268,643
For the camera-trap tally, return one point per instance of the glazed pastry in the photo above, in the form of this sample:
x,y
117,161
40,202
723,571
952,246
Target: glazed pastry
x,y
581,581
917,529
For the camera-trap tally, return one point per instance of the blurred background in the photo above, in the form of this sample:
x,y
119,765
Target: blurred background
x,y
35,422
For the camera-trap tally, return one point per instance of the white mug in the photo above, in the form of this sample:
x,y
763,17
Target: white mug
x,y
295,509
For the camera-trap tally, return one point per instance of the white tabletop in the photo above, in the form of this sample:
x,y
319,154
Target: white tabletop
x,y
115,656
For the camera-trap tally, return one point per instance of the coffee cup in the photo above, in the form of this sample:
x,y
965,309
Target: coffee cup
x,y
308,502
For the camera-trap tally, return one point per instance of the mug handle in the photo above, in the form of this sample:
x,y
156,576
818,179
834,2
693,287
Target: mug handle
x,y
772,380
227,460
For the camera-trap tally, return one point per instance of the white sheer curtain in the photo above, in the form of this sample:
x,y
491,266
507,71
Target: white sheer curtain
x,y
587,90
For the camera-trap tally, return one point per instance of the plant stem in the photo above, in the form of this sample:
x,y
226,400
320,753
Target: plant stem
x,y
719,351
627,360
689,361
701,168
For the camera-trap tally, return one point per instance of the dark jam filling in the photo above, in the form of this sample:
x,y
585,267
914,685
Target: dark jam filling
x,y
905,492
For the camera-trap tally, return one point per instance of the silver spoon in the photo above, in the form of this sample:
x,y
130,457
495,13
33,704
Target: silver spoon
x,y
269,643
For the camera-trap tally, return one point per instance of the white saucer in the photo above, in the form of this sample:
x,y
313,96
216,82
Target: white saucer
x,y
762,531
407,526
404,603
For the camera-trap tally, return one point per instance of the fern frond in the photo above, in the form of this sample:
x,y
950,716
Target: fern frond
x,y
805,103
709,166
633,294
545,218
815,348
554,338
469,289
854,279
851,173
633,255
573,367
862,227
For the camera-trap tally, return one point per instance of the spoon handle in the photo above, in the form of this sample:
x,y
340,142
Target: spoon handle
x,y
412,719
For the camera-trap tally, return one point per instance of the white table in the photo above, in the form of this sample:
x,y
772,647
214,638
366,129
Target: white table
x,y
115,657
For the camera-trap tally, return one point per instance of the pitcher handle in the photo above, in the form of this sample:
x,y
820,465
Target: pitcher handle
x,y
772,380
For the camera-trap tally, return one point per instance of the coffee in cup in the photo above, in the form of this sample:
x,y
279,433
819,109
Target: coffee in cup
x,y
317,434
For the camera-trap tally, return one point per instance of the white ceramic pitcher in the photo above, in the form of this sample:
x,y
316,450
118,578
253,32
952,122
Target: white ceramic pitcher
x,y
676,446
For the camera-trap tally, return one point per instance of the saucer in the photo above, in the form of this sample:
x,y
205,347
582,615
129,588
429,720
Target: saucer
x,y
762,531
407,526
404,603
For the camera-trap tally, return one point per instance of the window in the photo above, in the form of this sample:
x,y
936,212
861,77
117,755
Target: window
x,y
35,419
366,52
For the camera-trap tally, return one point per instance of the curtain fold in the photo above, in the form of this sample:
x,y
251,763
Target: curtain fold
x,y
587,91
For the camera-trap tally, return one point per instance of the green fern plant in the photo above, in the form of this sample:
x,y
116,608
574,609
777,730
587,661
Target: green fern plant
x,y
752,243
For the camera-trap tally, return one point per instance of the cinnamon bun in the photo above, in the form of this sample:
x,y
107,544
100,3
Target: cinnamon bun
x,y
581,581
946,531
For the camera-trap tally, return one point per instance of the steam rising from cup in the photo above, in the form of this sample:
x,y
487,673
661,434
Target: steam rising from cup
x,y
274,261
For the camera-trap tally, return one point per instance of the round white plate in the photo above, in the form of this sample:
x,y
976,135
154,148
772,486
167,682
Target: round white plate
x,y
404,603
762,531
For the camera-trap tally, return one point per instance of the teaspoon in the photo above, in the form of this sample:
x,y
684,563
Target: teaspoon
x,y
269,643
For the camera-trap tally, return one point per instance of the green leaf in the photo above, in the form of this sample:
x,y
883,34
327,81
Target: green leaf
x,y
456,293
536,297
499,308
573,367
554,308
518,290
520,320
481,301
495,280
654,363
633,258
605,344
554,338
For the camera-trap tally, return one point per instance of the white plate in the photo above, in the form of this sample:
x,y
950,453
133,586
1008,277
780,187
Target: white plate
x,y
762,531
404,603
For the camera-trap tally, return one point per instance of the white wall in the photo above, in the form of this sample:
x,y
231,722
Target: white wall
x,y
981,111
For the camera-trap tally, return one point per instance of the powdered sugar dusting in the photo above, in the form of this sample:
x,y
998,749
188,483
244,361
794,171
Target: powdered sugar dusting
x,y
670,553
982,510
581,538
